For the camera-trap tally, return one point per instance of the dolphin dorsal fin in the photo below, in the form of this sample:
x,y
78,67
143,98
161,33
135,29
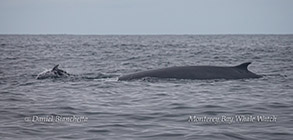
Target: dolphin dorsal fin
x,y
243,66
56,67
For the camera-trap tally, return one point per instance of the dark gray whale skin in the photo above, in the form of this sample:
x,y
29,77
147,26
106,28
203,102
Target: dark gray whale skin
x,y
196,73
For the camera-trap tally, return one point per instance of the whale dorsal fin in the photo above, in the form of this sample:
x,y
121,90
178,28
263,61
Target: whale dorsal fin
x,y
243,66
56,67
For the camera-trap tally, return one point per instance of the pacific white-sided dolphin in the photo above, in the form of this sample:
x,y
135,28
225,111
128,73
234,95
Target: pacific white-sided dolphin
x,y
196,72
53,73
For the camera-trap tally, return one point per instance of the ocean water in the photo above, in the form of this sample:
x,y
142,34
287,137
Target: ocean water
x,y
92,104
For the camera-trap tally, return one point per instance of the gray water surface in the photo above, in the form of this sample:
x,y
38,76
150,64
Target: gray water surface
x,y
100,107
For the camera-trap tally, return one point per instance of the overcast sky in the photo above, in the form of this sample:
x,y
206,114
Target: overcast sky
x,y
146,16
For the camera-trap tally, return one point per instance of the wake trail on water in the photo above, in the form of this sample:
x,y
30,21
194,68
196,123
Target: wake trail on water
x,y
78,77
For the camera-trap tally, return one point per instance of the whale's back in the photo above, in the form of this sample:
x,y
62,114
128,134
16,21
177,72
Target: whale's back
x,y
196,72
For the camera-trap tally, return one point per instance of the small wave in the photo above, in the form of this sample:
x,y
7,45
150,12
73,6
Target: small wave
x,y
275,75
235,136
97,76
98,131
165,135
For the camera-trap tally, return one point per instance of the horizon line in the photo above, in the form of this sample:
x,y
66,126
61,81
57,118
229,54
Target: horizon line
x,y
154,34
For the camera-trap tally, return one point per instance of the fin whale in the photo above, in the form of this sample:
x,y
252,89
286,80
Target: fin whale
x,y
55,72
196,73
